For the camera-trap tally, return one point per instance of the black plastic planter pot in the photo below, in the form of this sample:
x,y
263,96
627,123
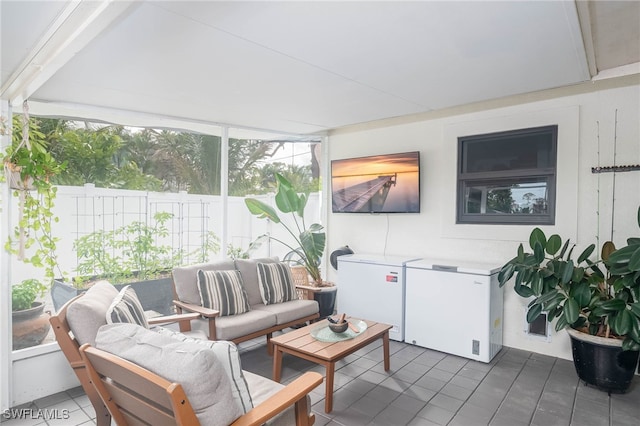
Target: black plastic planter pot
x,y
154,294
602,362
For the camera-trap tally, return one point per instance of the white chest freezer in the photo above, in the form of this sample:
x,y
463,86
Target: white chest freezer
x,y
372,287
454,308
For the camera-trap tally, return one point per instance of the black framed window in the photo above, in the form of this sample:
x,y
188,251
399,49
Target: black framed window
x,y
508,177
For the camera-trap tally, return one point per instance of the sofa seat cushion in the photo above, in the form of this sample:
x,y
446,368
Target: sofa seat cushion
x,y
262,388
249,270
194,366
231,327
87,314
185,279
289,311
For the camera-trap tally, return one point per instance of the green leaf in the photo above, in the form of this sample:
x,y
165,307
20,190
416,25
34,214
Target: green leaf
x,y
564,249
536,284
621,324
506,273
613,305
634,260
630,345
571,310
635,308
582,294
538,252
287,200
566,272
622,256
523,291
302,203
561,323
262,210
537,236
534,312
553,244
520,256
586,253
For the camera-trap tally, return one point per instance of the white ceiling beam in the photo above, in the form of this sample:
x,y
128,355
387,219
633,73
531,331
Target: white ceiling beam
x,y
584,16
77,24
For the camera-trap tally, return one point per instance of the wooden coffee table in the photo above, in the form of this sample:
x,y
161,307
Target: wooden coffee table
x,y
300,343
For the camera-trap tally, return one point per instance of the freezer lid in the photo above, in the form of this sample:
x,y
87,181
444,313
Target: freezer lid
x,y
460,266
376,259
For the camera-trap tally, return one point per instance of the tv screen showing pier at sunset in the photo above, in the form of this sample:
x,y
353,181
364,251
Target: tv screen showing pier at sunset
x,y
388,183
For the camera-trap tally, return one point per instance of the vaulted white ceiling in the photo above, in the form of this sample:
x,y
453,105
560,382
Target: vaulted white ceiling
x,y
302,67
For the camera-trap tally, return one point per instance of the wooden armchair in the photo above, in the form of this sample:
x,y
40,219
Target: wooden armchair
x,y
136,396
70,344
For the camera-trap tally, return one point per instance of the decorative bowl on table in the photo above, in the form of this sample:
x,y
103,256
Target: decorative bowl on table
x,y
339,327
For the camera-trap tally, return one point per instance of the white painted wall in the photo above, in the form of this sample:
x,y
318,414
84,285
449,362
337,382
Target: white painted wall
x,y
578,111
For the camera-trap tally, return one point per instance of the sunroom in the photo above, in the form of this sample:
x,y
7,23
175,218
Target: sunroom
x,y
458,84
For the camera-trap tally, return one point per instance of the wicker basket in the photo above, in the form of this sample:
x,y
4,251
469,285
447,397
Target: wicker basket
x,y
300,276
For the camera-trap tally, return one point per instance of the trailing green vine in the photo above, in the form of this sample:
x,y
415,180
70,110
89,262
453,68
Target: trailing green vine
x,y
32,240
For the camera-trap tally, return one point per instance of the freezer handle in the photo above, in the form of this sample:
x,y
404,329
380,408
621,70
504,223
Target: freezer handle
x,y
445,268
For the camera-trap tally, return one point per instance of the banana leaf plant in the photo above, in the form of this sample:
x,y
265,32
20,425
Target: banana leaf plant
x,y
309,241
600,297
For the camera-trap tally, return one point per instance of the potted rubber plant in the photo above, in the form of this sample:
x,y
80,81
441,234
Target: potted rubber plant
x,y
309,241
596,300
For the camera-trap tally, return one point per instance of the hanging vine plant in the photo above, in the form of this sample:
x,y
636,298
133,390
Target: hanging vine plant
x,y
29,168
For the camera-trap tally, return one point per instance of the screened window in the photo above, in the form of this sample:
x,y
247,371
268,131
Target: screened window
x,y
508,177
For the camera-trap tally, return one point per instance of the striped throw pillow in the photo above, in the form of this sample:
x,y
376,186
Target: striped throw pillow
x,y
223,291
127,308
276,283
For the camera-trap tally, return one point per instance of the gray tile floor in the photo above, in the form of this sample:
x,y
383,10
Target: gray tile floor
x,y
425,387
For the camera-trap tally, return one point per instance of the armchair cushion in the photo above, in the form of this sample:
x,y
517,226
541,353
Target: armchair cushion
x,y
276,283
126,307
194,366
87,314
223,291
229,357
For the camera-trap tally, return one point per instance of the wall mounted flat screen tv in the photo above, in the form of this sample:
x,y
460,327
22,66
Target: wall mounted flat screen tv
x,y
387,183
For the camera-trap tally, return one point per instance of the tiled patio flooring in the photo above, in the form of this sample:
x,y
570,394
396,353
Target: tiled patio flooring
x,y
425,387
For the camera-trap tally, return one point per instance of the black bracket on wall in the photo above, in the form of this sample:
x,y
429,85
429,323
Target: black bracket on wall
x,y
615,169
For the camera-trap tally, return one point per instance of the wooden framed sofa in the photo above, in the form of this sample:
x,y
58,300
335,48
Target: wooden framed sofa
x,y
260,318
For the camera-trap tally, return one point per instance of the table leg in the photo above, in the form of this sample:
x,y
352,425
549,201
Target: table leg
x,y
328,397
385,347
277,363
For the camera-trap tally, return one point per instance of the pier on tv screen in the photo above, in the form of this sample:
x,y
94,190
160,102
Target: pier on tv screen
x,y
388,183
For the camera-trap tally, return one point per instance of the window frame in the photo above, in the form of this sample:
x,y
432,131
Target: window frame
x,y
507,177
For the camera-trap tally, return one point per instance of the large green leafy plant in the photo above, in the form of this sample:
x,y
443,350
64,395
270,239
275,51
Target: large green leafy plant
x,y
135,252
310,241
29,159
600,297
